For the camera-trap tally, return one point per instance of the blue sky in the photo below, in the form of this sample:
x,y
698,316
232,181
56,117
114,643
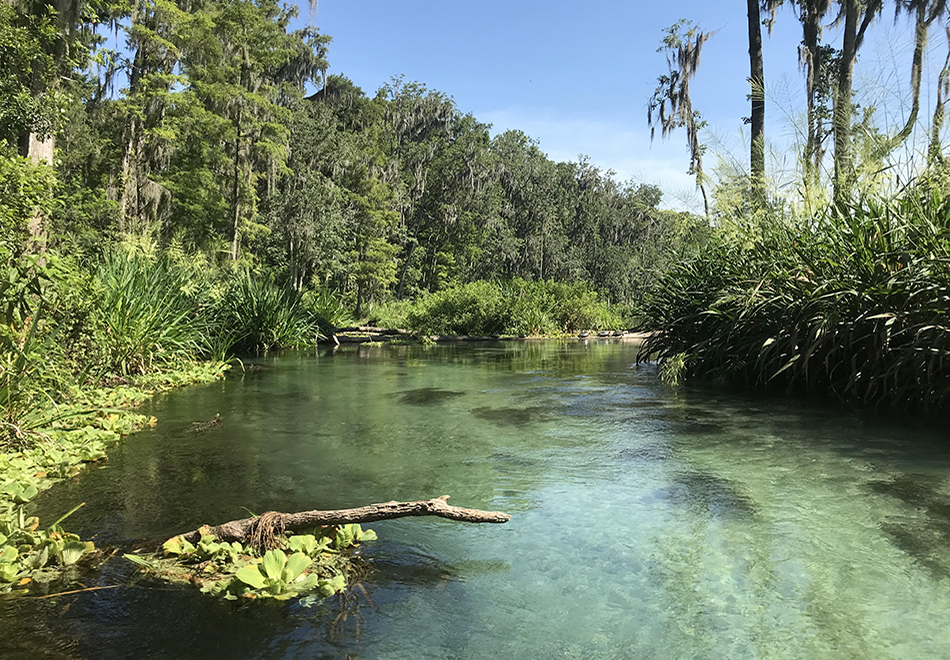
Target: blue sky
x,y
577,76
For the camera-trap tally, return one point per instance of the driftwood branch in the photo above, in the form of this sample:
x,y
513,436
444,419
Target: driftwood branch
x,y
243,530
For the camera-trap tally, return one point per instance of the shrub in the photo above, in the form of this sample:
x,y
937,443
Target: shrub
x,y
257,315
852,302
514,307
143,316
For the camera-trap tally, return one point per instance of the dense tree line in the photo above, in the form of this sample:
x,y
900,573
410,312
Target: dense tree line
x,y
203,131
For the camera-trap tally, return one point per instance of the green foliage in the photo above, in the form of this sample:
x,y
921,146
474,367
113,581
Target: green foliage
x,y
143,315
315,565
259,315
27,65
514,307
25,189
326,310
27,552
850,303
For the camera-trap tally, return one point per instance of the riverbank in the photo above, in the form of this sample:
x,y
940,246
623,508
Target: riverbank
x,y
373,334
79,432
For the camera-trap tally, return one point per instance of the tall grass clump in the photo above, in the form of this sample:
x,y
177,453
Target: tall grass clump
x,y
257,315
326,311
144,315
852,302
513,307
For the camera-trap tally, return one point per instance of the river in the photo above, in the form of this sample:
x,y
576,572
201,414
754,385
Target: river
x,y
647,521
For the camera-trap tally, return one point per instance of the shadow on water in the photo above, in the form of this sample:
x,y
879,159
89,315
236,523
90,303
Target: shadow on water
x,y
718,497
404,567
426,396
513,416
925,536
651,452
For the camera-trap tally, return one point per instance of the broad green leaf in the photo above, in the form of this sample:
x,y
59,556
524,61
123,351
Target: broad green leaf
x,y
250,576
306,582
296,564
368,535
173,546
8,554
333,585
306,543
273,564
8,572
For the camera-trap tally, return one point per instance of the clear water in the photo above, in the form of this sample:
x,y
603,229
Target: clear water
x,y
647,522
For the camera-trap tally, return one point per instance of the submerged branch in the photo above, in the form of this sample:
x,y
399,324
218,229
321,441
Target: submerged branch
x,y
242,530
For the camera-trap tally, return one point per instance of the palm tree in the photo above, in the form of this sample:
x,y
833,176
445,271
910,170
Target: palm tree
x,y
925,12
757,118
857,16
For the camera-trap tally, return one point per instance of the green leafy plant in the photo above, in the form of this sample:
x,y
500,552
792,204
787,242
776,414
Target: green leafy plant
x,y
850,303
314,563
258,315
143,315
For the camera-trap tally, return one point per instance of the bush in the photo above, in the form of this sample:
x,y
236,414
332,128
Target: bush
x,y
257,315
514,307
142,315
852,302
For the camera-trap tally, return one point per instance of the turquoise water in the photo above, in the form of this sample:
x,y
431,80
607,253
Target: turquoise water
x,y
647,522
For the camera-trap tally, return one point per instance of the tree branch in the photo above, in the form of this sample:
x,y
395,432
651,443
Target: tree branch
x,y
239,530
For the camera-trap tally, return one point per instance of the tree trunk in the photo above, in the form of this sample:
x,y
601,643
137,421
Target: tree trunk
x,y
757,81
843,109
241,530
811,27
935,152
853,38
236,190
405,268
921,39
40,152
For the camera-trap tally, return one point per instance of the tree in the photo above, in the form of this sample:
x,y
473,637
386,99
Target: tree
x,y
856,16
671,106
815,59
244,67
925,12
757,118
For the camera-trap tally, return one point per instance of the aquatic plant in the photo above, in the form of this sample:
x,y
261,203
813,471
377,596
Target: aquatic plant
x,y
317,564
25,549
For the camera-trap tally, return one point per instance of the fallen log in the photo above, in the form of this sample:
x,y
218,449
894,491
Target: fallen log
x,y
373,329
250,529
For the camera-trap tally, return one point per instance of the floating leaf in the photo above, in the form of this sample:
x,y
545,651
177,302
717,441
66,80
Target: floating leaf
x,y
329,587
306,543
296,564
368,535
273,564
8,572
172,546
8,554
250,576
